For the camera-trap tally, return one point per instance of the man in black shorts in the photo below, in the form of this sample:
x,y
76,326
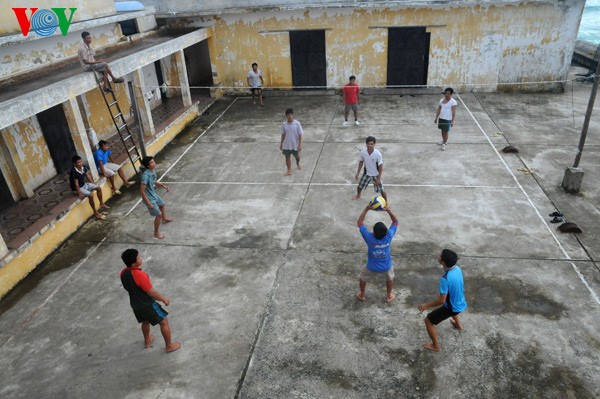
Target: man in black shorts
x,y
143,297
452,298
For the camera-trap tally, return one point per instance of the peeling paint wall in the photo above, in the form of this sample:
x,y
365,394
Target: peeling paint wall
x,y
29,151
151,91
26,57
86,9
98,116
8,170
171,75
472,46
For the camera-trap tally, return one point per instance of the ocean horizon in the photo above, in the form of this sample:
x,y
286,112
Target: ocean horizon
x,y
589,29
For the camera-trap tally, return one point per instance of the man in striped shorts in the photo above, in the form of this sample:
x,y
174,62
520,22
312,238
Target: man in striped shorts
x,y
371,161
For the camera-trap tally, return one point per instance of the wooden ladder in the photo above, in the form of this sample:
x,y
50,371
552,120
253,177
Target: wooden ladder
x,y
110,99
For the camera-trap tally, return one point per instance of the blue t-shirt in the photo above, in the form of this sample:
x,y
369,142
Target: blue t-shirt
x,y
100,155
453,285
149,179
379,258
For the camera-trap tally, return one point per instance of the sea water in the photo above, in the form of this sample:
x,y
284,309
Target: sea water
x,y
589,30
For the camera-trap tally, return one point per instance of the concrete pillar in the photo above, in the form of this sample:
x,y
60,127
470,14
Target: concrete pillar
x,y
78,133
3,248
183,79
143,106
572,180
83,112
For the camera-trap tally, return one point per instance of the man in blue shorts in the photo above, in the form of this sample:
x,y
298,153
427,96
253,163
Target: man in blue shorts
x,y
143,297
155,204
452,298
379,259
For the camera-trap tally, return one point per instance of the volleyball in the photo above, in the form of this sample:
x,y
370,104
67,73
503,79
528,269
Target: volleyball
x,y
377,203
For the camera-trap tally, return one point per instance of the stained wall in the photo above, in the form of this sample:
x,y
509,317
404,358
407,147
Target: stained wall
x,y
27,57
472,46
86,9
29,154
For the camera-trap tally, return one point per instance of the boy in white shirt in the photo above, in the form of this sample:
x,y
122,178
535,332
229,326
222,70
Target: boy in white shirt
x,y
372,161
255,80
445,114
291,140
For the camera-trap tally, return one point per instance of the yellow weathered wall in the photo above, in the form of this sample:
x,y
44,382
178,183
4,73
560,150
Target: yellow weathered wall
x,y
31,255
8,170
171,75
25,57
470,45
86,9
99,117
30,154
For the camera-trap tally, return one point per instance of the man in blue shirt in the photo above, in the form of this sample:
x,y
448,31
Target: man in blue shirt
x,y
155,204
379,259
452,298
107,167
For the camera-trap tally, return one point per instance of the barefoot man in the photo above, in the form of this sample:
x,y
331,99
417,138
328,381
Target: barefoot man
x,y
143,297
379,259
291,141
452,299
370,161
155,204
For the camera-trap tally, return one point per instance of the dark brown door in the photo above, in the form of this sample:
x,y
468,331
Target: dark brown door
x,y
6,198
58,137
408,56
307,49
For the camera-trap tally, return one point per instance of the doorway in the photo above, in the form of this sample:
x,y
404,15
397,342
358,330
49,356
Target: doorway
x,y
408,56
6,199
58,137
160,78
199,69
309,66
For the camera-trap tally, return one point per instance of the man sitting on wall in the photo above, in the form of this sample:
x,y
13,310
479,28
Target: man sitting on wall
x,y
107,167
88,62
77,179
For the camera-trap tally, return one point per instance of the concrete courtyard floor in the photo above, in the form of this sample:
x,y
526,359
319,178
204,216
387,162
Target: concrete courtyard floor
x,y
262,269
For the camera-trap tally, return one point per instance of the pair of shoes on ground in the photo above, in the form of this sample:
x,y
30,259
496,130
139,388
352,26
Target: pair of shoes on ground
x,y
557,217
356,123
443,145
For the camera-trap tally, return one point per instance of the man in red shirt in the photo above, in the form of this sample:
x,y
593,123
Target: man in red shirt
x,y
143,297
350,99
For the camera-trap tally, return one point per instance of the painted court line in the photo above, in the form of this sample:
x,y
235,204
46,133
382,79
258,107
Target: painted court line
x,y
562,249
185,152
241,183
62,284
